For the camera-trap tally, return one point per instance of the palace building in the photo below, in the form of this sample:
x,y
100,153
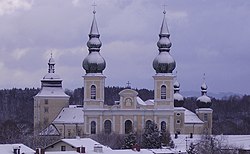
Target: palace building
x,y
53,115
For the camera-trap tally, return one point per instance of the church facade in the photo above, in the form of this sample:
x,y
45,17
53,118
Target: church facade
x,y
130,113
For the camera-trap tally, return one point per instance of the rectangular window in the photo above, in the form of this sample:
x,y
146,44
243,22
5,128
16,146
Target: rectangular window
x,y
205,117
163,92
69,133
93,92
46,101
46,109
63,148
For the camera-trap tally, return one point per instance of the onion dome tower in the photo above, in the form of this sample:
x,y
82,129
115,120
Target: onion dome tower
x,y
164,64
204,111
94,64
203,101
50,100
178,98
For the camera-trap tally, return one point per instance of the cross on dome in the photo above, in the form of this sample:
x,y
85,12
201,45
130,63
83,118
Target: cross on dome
x,y
128,84
94,5
164,11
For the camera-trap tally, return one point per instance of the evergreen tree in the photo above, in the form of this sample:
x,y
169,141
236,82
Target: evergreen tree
x,y
129,141
165,137
151,137
191,149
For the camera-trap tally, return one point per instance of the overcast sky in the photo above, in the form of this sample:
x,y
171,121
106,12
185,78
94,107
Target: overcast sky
x,y
208,36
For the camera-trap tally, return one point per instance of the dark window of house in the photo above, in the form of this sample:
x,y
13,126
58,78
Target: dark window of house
x,y
63,148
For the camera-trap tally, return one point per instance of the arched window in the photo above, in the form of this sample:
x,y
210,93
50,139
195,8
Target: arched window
x,y
163,92
107,127
148,123
93,127
163,126
128,126
93,92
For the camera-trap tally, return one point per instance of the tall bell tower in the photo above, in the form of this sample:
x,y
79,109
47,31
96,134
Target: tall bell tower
x,y
94,64
164,64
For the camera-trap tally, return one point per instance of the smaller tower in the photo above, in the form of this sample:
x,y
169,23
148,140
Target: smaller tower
x,y
178,98
50,100
94,64
204,111
164,65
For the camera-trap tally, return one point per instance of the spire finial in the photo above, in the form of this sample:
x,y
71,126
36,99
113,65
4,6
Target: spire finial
x,y
51,54
164,11
51,64
204,77
94,5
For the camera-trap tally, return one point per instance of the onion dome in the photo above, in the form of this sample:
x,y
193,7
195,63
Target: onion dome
x,y
203,101
94,62
178,98
164,62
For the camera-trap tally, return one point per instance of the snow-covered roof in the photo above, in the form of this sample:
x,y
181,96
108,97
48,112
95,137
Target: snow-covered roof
x,y
61,152
51,76
51,130
236,141
70,116
51,92
166,150
140,101
8,148
87,143
184,140
191,117
178,97
128,151
149,102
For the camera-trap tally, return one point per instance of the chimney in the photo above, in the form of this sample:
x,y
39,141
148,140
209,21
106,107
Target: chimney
x,y
98,148
40,151
80,149
16,149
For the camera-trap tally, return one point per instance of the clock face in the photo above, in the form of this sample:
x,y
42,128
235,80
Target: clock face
x,y
128,101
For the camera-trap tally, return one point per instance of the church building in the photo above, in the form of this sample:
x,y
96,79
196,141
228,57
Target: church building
x,y
52,113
